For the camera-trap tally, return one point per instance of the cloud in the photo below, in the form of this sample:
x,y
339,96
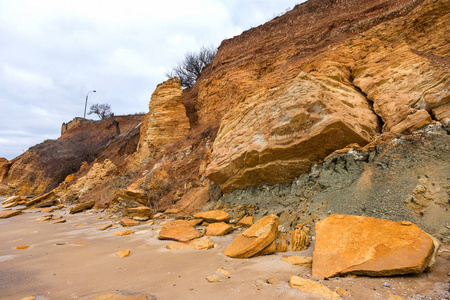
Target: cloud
x,y
55,51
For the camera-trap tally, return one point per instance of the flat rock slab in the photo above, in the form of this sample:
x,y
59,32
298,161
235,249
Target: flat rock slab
x,y
82,206
313,287
303,261
213,216
255,239
126,222
203,243
218,229
112,296
141,213
179,230
9,213
367,246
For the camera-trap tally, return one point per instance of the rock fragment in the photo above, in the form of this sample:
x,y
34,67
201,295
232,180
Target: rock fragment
x,y
141,213
218,229
203,243
82,207
213,216
10,213
303,261
126,222
112,296
123,253
255,239
22,247
245,221
105,227
123,232
368,246
179,230
213,279
313,287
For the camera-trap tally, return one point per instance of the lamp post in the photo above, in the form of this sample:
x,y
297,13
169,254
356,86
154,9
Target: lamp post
x,y
85,105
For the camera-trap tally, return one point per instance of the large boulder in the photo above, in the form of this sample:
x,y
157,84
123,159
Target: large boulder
x,y
179,230
251,242
367,246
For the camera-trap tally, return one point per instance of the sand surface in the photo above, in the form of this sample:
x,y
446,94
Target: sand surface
x,y
56,267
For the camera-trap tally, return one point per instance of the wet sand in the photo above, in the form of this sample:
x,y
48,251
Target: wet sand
x,y
56,267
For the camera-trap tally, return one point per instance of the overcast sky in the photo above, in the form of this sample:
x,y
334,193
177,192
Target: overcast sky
x,y
53,52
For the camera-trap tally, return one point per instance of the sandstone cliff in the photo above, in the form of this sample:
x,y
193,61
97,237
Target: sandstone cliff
x,y
308,88
277,107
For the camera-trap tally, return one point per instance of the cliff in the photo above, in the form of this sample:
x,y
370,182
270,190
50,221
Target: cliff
x,y
280,104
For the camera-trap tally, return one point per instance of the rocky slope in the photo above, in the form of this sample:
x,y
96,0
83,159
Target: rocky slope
x,y
269,122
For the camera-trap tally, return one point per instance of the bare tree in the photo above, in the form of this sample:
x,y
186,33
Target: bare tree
x,y
103,111
190,68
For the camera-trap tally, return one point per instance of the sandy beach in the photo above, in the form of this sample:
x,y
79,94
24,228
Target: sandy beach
x,y
74,260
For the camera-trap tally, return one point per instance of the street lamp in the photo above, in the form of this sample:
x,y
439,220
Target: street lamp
x,y
85,105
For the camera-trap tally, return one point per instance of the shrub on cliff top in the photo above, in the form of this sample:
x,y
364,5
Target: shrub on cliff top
x,y
190,68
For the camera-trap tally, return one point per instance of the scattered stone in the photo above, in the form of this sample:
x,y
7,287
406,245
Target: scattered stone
x,y
213,216
126,222
205,224
82,207
111,296
203,243
195,222
178,230
255,239
29,298
22,247
36,200
218,229
171,211
223,271
271,281
246,221
213,279
123,232
10,213
141,213
313,287
395,297
80,244
105,227
14,201
48,210
367,246
123,253
342,292
81,224
59,221
158,216
45,218
303,261
47,203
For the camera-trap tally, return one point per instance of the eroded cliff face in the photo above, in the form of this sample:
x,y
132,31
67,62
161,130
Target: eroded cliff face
x,y
384,69
269,121
166,123
44,166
